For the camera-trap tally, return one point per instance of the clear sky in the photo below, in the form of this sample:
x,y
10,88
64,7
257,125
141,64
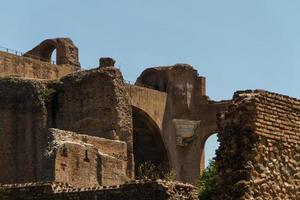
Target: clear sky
x,y
235,44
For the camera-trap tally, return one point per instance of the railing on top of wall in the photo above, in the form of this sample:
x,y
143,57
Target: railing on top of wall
x,y
19,53
129,82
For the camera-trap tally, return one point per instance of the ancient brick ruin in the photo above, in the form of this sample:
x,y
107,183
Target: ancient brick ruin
x,y
259,156
87,132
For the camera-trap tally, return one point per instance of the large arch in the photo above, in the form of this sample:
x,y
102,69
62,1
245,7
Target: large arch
x,y
66,51
46,49
148,144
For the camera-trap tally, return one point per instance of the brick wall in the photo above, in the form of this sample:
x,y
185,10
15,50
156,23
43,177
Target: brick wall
x,y
72,159
23,119
11,64
95,102
29,107
152,190
259,149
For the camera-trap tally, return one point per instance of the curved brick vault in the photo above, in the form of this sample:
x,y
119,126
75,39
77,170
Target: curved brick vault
x,y
66,51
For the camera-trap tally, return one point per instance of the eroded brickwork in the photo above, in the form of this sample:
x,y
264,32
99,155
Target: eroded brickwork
x,y
13,65
23,119
66,52
83,161
95,102
187,115
92,102
137,190
260,147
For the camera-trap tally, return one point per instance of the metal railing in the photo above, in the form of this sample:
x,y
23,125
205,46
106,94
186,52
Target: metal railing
x,y
139,84
129,82
19,53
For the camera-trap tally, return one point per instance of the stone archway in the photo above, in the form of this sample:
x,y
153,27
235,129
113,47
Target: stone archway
x,y
148,145
46,49
66,51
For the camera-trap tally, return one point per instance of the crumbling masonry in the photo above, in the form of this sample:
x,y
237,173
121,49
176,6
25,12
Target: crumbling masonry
x,y
87,132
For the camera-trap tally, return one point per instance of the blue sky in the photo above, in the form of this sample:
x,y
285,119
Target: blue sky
x,y
235,44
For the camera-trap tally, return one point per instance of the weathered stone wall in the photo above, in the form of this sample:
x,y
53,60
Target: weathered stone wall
x,y
23,119
189,116
150,101
13,65
29,107
115,148
95,102
81,160
155,190
259,149
66,51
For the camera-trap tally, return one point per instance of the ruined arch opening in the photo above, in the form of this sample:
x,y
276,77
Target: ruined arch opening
x,y
46,51
148,145
53,58
210,146
66,52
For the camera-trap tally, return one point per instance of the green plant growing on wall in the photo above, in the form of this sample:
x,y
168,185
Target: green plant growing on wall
x,y
170,175
206,184
47,94
149,171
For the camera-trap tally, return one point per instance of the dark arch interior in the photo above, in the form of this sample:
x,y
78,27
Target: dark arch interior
x,y
46,51
148,145
151,80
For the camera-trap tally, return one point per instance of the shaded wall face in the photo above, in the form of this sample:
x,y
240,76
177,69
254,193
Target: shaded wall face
x,y
259,149
87,105
29,107
22,130
96,103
